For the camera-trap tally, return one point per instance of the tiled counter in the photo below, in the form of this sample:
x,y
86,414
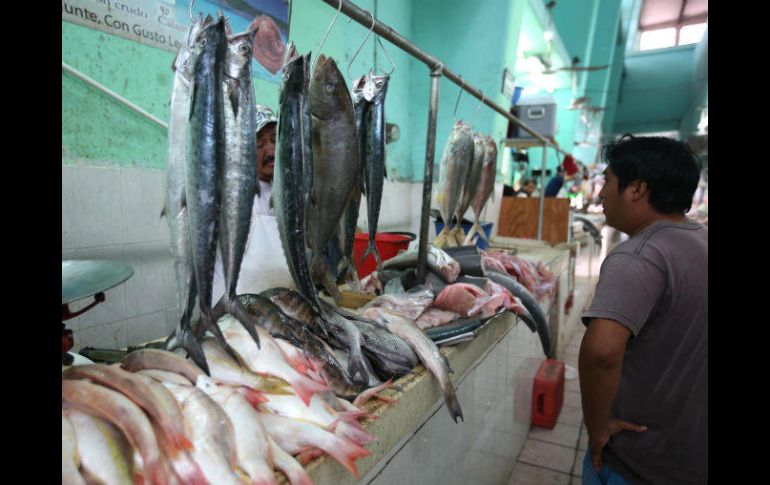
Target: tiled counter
x,y
417,441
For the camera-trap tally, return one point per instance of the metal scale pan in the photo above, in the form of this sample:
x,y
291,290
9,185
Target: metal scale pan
x,y
82,279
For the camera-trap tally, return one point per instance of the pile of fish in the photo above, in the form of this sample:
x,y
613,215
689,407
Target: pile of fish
x,y
460,295
467,176
158,418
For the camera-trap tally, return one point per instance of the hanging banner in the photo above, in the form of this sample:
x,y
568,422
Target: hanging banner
x,y
163,24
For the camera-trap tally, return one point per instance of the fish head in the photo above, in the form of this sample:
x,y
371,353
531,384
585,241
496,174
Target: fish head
x,y
291,53
239,49
327,89
293,75
210,46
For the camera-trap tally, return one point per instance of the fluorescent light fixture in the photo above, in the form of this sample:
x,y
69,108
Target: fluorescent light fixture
x,y
548,35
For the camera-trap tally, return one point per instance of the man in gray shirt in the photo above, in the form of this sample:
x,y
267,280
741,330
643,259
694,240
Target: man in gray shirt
x,y
644,358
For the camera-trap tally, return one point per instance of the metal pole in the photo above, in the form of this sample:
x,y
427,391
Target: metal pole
x,y
67,68
427,185
387,32
542,198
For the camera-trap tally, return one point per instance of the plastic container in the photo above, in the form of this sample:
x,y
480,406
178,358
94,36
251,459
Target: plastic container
x,y
388,245
539,113
548,393
480,242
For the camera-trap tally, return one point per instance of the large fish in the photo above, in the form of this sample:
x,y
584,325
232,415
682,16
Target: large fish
x,y
530,303
123,413
425,349
485,188
470,186
437,260
373,126
335,158
154,399
176,211
205,160
105,454
251,445
292,178
212,433
299,308
389,354
162,360
228,371
238,177
70,458
455,164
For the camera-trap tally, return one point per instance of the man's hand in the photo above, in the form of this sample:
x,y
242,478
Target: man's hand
x,y
596,443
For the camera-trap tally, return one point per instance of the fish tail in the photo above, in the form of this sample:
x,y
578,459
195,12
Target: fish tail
x,y
187,340
452,404
440,240
288,465
356,434
346,452
308,455
247,320
372,249
208,323
306,387
472,232
357,365
369,393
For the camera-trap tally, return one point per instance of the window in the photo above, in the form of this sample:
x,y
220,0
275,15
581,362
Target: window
x,y
669,23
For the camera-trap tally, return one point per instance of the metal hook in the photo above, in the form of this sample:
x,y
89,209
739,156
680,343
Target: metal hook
x,y
379,41
482,102
362,43
457,103
191,10
318,52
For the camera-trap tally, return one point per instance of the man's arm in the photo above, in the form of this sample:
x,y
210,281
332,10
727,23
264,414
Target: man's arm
x,y
600,363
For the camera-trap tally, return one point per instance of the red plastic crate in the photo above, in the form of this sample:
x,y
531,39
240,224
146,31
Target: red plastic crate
x,y
548,393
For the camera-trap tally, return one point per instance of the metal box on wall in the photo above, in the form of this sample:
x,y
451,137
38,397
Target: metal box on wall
x,y
539,113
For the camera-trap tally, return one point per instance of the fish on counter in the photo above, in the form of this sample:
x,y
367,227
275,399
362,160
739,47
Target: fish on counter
x,y
252,448
70,457
530,303
225,369
410,304
454,166
485,188
161,360
425,349
124,414
435,317
438,261
468,300
105,454
299,308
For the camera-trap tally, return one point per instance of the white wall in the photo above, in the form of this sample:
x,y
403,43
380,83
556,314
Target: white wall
x,y
114,214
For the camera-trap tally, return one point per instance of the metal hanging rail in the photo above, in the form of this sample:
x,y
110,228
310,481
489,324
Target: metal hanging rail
x,y
437,69
363,18
71,70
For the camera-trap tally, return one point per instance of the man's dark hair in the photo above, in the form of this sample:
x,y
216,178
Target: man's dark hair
x,y
669,167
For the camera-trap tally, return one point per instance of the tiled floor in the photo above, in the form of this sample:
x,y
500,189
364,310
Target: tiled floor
x,y
555,456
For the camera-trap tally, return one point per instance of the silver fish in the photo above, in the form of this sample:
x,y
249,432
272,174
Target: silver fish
x,y
471,185
239,172
426,350
455,163
292,177
485,188
438,261
205,161
373,126
176,211
105,453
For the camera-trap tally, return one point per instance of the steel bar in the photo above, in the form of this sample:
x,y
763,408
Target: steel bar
x,y
362,17
427,185
69,69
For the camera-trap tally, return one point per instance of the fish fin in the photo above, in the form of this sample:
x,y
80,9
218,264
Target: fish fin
x,y
306,387
254,397
194,349
288,465
357,366
331,286
369,393
359,436
246,319
208,323
345,452
452,404
446,362
163,211
372,249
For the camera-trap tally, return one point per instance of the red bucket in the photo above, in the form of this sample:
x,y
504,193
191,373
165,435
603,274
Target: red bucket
x,y
388,245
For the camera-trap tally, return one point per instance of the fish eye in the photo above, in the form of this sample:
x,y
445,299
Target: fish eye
x,y
203,43
329,87
244,48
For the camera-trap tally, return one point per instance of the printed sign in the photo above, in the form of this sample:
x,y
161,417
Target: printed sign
x,y
508,85
163,24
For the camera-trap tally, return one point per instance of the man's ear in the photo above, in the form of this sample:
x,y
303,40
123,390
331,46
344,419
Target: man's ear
x,y
638,190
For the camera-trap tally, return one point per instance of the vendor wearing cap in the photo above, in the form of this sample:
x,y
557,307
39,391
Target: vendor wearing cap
x,y
567,171
264,264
